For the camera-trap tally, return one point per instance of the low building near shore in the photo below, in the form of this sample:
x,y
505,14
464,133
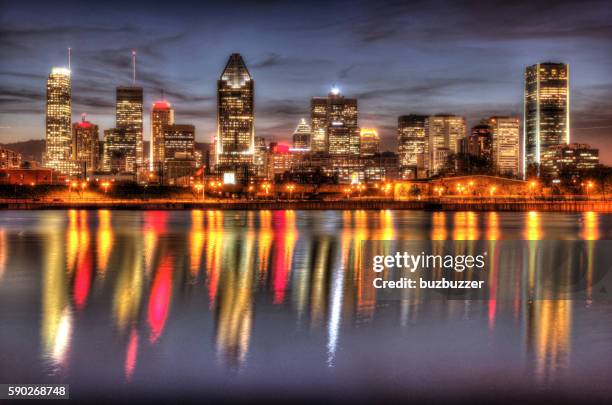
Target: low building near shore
x,y
31,177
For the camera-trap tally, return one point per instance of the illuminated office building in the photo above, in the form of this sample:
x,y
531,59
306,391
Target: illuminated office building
x,y
443,133
235,118
162,115
85,146
118,152
505,154
570,159
301,136
129,111
479,141
369,141
411,145
58,121
334,124
9,159
546,110
179,152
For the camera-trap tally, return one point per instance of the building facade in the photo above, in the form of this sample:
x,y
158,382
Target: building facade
x,y
9,159
570,159
58,121
118,152
411,145
334,124
369,141
129,112
85,146
505,141
546,110
479,141
162,115
301,136
179,152
235,118
443,133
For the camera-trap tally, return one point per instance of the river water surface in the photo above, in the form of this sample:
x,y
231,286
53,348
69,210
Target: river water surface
x,y
242,305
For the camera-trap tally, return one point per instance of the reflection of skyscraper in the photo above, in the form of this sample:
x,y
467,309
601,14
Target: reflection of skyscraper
x,y
301,136
235,117
58,136
162,115
334,124
546,110
443,133
129,110
85,145
411,144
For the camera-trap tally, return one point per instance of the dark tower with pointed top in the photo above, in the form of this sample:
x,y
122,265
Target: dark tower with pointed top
x,y
235,117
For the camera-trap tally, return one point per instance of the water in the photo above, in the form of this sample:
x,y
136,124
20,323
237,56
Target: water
x,y
241,305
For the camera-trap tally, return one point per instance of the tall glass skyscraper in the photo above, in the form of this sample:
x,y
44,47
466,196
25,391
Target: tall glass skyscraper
x,y
129,111
58,121
546,110
235,118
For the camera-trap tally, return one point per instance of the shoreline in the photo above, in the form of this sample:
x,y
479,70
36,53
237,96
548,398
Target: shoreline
x,y
337,205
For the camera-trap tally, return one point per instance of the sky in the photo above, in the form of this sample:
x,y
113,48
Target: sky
x,y
395,57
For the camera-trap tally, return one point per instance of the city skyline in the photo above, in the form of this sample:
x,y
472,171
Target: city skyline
x,y
393,69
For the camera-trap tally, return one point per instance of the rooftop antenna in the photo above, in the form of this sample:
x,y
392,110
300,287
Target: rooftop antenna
x,y
83,117
69,57
133,67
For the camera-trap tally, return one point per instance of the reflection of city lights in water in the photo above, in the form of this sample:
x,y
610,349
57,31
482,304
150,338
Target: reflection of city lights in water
x,y
159,300
438,226
131,354
196,242
285,235
590,226
82,278
3,252
465,226
62,338
104,239
56,320
493,232
533,228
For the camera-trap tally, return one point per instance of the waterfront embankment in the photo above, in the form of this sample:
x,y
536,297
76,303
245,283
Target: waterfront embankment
x,y
356,204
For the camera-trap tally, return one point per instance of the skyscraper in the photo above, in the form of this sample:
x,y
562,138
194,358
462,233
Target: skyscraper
x,y
505,154
58,134
179,151
479,141
162,115
118,154
334,124
129,110
411,144
85,143
235,118
369,141
546,110
443,133
301,136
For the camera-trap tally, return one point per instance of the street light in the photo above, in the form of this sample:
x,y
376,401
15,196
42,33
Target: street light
x,y
492,190
266,187
105,186
290,187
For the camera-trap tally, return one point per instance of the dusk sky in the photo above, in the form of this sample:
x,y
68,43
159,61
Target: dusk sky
x,y
396,57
